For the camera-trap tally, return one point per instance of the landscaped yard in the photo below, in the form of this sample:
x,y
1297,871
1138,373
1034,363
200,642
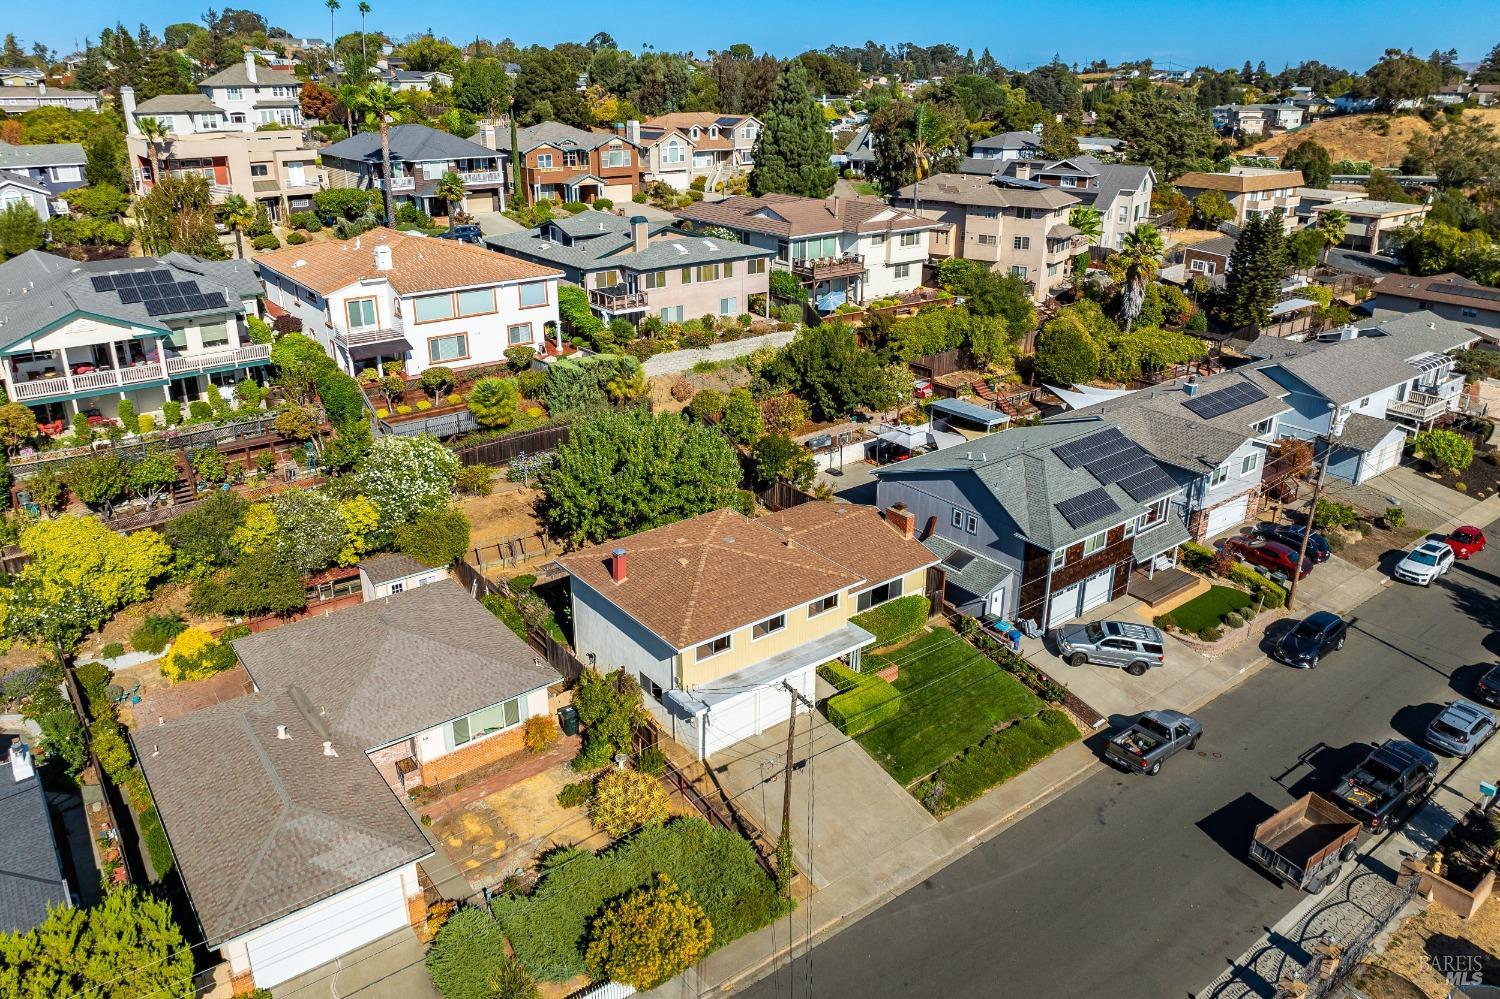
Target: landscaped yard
x,y
1206,609
864,187
951,698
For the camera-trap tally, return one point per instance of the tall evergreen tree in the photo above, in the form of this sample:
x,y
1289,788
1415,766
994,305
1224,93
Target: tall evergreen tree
x,y
792,150
1256,267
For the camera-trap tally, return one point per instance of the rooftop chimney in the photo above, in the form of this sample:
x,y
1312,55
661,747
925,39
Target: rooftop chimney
x,y
633,131
250,66
127,105
383,260
281,732
638,232
328,749
902,520
1022,170
619,565
20,762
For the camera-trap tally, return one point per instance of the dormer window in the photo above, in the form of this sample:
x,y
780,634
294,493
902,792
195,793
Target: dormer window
x,y
713,131
694,133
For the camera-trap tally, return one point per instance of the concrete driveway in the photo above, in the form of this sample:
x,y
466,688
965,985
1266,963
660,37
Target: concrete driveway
x,y
860,811
389,968
1427,503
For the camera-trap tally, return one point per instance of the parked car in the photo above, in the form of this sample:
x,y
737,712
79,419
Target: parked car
x,y
1291,536
1313,638
1133,647
1396,773
1272,555
1306,843
1465,541
1159,735
1460,728
1487,687
464,234
1424,563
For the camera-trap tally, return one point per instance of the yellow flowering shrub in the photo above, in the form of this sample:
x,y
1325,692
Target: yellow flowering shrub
x,y
361,521
257,531
196,655
649,936
624,799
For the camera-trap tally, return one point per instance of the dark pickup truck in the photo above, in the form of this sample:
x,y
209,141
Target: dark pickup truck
x,y
1142,747
1395,774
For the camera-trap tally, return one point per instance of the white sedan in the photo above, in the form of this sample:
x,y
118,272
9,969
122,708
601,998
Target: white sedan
x,y
1424,563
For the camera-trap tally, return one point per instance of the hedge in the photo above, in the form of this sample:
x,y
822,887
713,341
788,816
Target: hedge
x,y
157,847
997,759
1196,556
864,707
1272,593
893,621
842,677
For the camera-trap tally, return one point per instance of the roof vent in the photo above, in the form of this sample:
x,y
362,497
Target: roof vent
x,y
300,263
729,539
328,749
281,732
1432,326
1191,386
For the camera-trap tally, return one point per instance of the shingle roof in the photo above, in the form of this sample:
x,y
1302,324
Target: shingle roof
x,y
31,877
8,177
975,189
237,75
177,104
409,144
47,154
703,119
1450,289
390,565
558,135
418,264
697,579
979,576
1236,183
1364,433
786,215
1009,140
856,537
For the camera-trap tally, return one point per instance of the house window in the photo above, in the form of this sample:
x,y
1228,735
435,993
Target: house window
x,y
615,158
971,524
728,268
883,593
454,347
985,213
687,275
673,152
1263,428
958,517
671,314
988,239
533,295
398,587
651,687
757,266
910,238
1250,464
233,94
1469,313
1095,543
214,334
259,170
727,306
1059,559
823,606
495,718
769,626
708,272
1020,243
431,308
902,270
607,279
710,649
544,161
1018,271
1219,475
479,302
1124,215
1364,402
519,333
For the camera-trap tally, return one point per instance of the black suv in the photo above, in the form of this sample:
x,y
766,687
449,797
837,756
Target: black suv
x,y
1396,773
1487,689
1305,645
464,234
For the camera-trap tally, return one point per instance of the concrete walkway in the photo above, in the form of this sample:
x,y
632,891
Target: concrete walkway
x,y
674,361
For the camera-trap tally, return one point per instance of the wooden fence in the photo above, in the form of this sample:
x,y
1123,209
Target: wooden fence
x,y
507,449
513,552
783,496
558,655
934,365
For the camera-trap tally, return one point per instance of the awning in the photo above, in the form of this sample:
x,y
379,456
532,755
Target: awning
x,y
1083,396
1063,231
1162,537
769,672
968,411
1291,305
393,347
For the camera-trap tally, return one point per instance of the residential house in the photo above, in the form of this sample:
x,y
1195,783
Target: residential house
x,y
18,99
1057,515
1373,226
1120,192
16,189
859,152
318,855
21,76
56,167
420,155
1100,145
31,872
1209,257
416,80
1014,226
389,296
1351,104
716,615
568,164
1257,119
1008,146
1250,190
80,337
1451,296
680,147
1210,434
391,573
633,267
1309,199
844,249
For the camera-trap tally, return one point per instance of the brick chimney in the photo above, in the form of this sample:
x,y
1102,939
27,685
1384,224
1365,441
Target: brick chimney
x,y
619,565
639,232
903,520
1022,170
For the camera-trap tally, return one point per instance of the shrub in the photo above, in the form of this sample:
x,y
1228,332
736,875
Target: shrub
x,y
639,197
126,414
1395,517
539,733
1233,620
649,936
266,242
652,761
625,799
112,650
145,423
1332,513
435,538
507,611
157,847
603,204
156,632
494,401
110,748
467,960
788,313
896,619
403,409
423,405
576,794
1210,634
196,655
519,357
841,677
295,239
474,480
1444,448
171,412
439,380
997,759
199,410
865,706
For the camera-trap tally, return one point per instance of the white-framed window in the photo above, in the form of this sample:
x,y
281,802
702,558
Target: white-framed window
x,y
1250,464
1095,543
238,118
233,94
213,334
727,306
519,333
958,517
533,294
1264,426
910,238
1019,271
615,158
823,606
988,239
717,646
398,587
902,270
453,347
1069,181
544,161
360,313
1130,528
1059,559
769,626
971,524
1020,243
884,593
1124,215
673,152
1218,476
495,718
671,314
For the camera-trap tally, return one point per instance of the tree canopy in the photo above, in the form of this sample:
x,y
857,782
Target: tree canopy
x,y
791,151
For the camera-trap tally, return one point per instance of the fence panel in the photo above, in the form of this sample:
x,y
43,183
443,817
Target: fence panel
x,y
782,496
507,449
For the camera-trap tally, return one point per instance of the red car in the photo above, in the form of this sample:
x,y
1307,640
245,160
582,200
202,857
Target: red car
x,y
1272,555
1466,541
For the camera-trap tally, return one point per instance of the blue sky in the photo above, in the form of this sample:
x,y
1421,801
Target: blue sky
x,y
1350,33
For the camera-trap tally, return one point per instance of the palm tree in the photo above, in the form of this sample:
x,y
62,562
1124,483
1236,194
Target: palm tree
x,y
333,37
1137,262
929,132
239,215
376,103
1332,226
349,94
1088,220
364,11
153,131
450,187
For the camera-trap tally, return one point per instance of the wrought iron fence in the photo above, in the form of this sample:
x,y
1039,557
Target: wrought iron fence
x,y
1335,960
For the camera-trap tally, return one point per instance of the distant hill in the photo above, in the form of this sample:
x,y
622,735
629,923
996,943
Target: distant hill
x,y
1355,136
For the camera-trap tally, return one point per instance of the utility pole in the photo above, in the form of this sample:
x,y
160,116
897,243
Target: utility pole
x,y
1312,510
784,868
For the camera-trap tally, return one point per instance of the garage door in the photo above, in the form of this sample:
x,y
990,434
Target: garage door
x,y
752,713
1383,458
1096,589
1227,515
327,930
1064,605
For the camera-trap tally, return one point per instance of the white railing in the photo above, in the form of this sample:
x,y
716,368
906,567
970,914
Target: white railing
x,y
225,358
104,378
390,331
483,177
218,192
400,184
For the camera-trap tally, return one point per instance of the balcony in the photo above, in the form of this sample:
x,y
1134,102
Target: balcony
x,y
482,178
66,384
398,184
214,360
616,301
1420,407
395,329
828,268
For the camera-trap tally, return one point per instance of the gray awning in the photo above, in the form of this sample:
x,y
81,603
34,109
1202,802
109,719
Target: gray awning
x,y
959,409
393,347
769,672
1162,538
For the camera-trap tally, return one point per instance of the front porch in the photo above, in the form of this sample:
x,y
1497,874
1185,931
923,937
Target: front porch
x,y
1161,588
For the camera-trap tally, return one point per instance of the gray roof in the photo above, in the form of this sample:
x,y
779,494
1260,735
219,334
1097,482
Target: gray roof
x,y
1165,536
1361,263
1364,433
554,133
1009,140
21,180
1020,468
1379,357
857,148
409,144
603,242
31,877
1221,245
45,155
1115,178
236,75
38,289
177,104
980,577
390,566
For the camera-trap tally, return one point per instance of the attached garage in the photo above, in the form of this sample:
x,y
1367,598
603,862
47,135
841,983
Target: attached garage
x,y
753,712
320,933
1226,516
1064,605
1096,590
1080,598
1385,457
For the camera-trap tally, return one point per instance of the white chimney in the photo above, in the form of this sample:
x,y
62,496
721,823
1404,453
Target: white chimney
x,y
383,260
20,761
633,131
41,89
250,66
281,732
127,104
328,749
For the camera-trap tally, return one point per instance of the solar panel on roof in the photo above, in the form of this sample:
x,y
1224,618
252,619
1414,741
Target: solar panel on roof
x,y
156,307
214,300
195,302
1148,483
103,282
1491,294
958,560
1077,452
162,276
1087,508
128,296
174,304
1122,466
1225,400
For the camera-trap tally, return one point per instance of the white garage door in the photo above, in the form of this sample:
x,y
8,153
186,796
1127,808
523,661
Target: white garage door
x,y
752,713
1064,605
1383,458
1227,515
1096,589
327,930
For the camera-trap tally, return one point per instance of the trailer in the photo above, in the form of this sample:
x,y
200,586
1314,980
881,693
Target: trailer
x,y
1306,843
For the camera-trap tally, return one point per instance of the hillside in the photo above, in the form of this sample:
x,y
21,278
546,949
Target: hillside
x,y
1354,136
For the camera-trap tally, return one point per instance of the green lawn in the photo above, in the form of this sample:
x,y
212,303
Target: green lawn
x,y
865,187
952,697
1205,610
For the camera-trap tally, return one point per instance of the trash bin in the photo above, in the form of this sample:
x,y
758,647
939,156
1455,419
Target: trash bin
x,y
567,719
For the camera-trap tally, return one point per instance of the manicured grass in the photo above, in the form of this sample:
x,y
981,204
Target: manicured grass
x,y
951,698
865,187
1205,610
997,759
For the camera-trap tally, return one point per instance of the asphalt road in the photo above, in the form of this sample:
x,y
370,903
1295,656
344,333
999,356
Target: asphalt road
x,y
1129,886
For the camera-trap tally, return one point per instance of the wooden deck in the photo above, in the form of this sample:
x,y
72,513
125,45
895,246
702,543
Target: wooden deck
x,y
1161,586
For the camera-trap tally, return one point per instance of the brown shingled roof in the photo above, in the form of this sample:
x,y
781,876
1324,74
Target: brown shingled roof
x,y
787,215
418,264
856,537
1450,289
1238,183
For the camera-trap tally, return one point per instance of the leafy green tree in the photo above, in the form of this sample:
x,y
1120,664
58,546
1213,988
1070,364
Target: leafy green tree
x,y
1313,159
1257,266
493,401
1382,186
97,480
779,458
482,87
609,706
742,420
178,215
1088,220
57,625
1464,155
309,530
826,366
467,960
200,537
791,152
1164,130
649,936
1058,140
253,585
1331,227
435,538
623,472
1064,355
239,215
18,425
21,229
1434,248
1400,76
404,476
106,162
1210,208
1444,448
986,293
450,188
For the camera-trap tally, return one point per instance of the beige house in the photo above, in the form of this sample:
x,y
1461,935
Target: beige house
x,y
680,147
1372,224
1015,226
715,616
1250,191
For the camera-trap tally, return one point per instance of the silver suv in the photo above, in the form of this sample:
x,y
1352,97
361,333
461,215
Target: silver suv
x,y
1133,647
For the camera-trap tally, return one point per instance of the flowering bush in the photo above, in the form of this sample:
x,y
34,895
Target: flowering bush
x,y
361,521
624,799
196,655
539,733
649,936
404,476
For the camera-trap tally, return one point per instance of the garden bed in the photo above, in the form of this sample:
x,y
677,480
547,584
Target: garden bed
x,y
1207,610
1480,480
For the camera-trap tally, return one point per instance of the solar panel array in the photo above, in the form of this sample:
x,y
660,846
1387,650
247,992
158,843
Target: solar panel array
x,y
1225,400
1111,457
1469,291
1080,452
1088,508
159,291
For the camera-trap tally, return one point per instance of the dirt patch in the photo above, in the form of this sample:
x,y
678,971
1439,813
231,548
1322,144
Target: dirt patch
x,y
1430,944
1356,136
1367,552
507,512
723,377
1480,480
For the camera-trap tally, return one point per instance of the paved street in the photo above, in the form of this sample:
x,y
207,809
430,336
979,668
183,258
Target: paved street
x,y
1139,887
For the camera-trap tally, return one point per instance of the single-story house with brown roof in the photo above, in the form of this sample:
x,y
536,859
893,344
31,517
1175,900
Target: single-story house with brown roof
x,y
713,615
1451,296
